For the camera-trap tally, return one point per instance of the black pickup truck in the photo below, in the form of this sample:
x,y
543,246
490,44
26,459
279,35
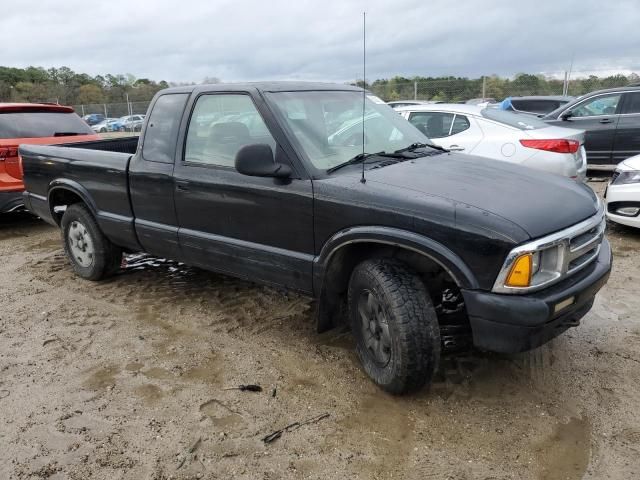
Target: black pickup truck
x,y
322,189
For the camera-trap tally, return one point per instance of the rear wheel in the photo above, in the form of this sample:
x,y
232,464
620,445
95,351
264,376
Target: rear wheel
x,y
394,325
92,255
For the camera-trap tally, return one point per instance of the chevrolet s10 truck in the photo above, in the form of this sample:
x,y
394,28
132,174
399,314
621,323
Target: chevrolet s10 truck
x,y
323,189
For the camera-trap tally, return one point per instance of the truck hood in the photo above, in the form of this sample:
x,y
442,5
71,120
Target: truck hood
x,y
631,163
539,203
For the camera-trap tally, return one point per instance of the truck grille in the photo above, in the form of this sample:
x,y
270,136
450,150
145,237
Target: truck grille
x,y
584,247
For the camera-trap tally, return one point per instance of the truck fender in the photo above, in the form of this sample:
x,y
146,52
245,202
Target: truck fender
x,y
72,186
420,244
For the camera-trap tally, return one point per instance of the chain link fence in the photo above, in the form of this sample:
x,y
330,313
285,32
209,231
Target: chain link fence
x,y
490,88
113,110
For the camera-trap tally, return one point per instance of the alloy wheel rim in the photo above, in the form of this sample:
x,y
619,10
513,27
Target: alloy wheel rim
x,y
374,327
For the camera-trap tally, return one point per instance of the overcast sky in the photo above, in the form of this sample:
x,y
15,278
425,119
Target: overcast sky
x,y
237,40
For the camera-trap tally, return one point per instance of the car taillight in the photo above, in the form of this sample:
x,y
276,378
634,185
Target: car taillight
x,y
558,146
8,152
12,161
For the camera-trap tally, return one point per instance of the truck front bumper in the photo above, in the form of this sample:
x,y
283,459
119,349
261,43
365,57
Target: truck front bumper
x,y
10,201
516,323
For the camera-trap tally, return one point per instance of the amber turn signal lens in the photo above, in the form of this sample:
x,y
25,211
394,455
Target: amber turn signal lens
x,y
520,274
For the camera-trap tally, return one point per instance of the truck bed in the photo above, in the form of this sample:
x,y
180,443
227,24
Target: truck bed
x,y
120,145
95,171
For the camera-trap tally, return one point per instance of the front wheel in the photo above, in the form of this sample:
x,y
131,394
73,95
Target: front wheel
x,y
394,325
91,253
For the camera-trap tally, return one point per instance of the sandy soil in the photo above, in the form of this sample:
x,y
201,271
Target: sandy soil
x,y
125,380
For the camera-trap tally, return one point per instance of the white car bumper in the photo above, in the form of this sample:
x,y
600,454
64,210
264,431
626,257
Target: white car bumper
x,y
621,196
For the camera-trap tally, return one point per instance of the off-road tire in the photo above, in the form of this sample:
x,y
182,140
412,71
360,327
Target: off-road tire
x,y
413,332
106,258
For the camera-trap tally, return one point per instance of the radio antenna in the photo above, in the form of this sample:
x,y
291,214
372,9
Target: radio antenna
x,y
364,84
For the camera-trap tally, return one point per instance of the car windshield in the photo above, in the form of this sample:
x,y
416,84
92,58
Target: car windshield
x,y
328,125
41,124
515,120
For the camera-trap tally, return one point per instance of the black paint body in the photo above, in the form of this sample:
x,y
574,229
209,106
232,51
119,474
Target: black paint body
x,y
463,212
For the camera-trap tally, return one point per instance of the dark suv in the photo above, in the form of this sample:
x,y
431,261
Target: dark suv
x,y
611,120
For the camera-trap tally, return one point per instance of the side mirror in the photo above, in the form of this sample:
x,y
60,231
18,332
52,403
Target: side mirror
x,y
566,115
256,160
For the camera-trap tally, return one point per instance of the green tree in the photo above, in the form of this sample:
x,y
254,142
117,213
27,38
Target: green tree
x,y
90,93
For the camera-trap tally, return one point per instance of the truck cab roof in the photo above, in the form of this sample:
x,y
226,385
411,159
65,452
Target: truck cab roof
x,y
274,86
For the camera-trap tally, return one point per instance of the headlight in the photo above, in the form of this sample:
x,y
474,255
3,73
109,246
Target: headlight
x,y
530,269
547,260
624,178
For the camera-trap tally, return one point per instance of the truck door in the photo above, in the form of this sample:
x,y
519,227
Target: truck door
x,y
627,141
257,228
598,116
151,177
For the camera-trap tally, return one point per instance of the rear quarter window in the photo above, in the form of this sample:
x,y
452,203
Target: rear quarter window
x,y
161,134
536,106
41,124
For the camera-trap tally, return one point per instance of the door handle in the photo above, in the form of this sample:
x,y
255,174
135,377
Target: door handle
x,y
455,148
606,120
182,186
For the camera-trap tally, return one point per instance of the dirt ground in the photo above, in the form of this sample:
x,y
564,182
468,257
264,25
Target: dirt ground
x,y
126,379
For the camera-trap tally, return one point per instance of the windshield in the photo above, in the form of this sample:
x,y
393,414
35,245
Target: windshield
x,y
328,125
41,124
516,120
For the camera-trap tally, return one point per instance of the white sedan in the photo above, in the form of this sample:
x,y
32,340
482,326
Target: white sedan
x,y
501,135
623,193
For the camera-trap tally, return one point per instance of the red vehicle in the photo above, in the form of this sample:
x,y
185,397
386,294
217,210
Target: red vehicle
x,y
33,123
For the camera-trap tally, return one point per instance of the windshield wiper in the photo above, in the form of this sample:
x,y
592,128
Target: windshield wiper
x,y
399,154
361,157
416,146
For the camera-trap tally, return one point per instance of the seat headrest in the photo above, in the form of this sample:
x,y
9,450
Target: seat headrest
x,y
229,132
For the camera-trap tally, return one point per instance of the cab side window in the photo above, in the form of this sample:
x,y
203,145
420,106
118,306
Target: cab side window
x,y
221,124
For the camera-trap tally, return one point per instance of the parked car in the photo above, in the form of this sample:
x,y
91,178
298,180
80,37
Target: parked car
x,y
611,120
622,196
535,105
128,123
423,250
93,118
32,123
406,103
500,135
106,125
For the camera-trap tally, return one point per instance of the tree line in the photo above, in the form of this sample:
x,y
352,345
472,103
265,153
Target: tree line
x,y
455,89
63,85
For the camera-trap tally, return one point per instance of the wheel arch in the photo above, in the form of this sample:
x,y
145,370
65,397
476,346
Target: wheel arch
x,y
64,192
344,250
